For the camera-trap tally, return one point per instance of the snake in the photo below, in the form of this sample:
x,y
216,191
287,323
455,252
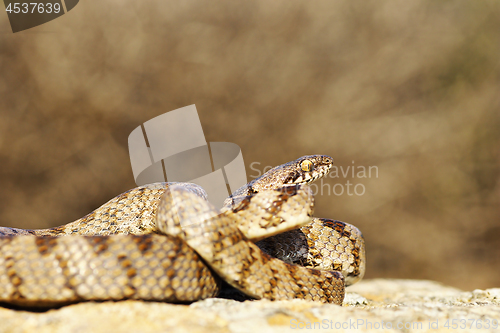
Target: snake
x,y
166,242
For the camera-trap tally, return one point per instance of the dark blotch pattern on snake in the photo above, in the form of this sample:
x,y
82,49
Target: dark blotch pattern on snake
x,y
165,242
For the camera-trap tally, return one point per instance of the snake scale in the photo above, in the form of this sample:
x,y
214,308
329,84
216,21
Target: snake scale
x,y
165,242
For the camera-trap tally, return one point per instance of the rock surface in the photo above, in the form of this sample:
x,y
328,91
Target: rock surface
x,y
379,305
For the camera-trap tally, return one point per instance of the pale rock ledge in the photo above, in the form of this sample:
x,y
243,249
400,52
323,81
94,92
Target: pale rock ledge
x,y
380,305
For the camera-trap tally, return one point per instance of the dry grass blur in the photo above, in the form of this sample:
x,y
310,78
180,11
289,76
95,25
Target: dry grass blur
x,y
411,87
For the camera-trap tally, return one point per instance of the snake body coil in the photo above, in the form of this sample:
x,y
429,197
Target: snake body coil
x,y
157,242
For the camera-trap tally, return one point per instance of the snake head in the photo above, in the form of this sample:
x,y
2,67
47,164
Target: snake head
x,y
308,168
301,171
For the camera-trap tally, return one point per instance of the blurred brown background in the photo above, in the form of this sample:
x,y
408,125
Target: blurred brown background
x,y
412,87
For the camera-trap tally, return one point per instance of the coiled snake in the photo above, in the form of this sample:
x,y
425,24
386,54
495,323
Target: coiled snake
x,y
165,242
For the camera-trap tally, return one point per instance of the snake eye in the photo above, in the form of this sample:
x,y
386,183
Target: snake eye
x,y
306,165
